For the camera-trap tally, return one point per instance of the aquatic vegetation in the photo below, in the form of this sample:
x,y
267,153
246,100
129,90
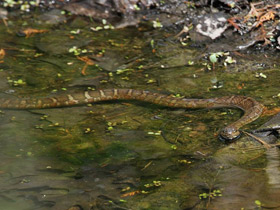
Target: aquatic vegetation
x,y
211,195
104,27
77,51
258,203
157,24
214,58
9,3
16,83
24,5
260,75
125,148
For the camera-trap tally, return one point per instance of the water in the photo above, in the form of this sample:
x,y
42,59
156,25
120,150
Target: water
x,y
127,155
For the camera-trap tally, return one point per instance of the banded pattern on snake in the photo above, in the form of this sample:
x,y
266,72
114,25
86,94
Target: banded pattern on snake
x,y
252,109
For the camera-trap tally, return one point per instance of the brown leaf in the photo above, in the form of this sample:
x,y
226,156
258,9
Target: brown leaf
x,y
30,31
2,54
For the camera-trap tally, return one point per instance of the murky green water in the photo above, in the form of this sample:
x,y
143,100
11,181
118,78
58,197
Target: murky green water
x,y
126,155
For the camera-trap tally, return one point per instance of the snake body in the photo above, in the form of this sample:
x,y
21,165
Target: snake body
x,y
252,109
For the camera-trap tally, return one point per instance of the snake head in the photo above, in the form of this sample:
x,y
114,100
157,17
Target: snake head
x,y
229,134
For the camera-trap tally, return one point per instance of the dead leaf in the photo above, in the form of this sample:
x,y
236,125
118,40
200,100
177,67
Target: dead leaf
x,y
130,194
270,112
2,54
30,31
88,62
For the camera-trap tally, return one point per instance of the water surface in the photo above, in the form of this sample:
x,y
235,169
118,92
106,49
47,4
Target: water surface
x,y
127,155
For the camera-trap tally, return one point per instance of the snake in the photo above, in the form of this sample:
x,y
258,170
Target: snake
x,y
251,108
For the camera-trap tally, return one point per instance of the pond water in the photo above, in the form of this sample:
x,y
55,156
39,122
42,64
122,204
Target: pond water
x,y
128,155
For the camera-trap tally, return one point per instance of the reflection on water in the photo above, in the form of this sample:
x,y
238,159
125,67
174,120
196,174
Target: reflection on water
x,y
125,155
273,166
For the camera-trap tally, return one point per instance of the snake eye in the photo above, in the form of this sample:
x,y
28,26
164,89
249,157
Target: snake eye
x,y
229,134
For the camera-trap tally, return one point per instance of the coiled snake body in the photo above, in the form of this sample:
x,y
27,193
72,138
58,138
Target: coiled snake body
x,y
252,109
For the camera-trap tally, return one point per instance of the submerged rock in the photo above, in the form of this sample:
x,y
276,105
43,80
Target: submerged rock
x,y
114,10
52,17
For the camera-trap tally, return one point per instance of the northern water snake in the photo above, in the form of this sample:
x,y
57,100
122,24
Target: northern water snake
x,y
252,109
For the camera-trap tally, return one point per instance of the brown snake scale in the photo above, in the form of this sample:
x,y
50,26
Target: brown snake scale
x,y
252,109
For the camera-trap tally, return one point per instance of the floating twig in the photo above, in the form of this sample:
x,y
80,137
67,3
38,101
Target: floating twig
x,y
266,145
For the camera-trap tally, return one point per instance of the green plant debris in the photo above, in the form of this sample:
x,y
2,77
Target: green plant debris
x,y
16,83
190,63
114,43
39,126
101,53
111,125
125,189
213,194
29,154
104,22
258,203
157,24
152,43
136,7
25,181
77,51
151,81
104,27
44,117
125,78
75,31
184,161
213,58
54,125
216,84
174,147
158,133
24,5
38,55
9,3
98,28
88,130
121,71
227,59
184,44
178,95
122,200
153,184
260,75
